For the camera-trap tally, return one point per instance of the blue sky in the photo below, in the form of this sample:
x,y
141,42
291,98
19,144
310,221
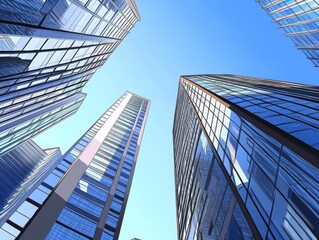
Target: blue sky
x,y
176,38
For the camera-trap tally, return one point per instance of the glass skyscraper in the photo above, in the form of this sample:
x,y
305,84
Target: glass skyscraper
x,y
299,19
246,158
48,51
84,194
20,168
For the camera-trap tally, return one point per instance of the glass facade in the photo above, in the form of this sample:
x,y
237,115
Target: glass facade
x,y
299,19
21,169
48,51
224,139
93,178
23,124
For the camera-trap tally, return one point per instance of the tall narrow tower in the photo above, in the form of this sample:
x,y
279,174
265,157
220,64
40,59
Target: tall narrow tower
x,y
246,158
48,51
85,193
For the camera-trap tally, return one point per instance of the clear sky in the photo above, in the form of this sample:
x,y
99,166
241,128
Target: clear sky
x,y
176,38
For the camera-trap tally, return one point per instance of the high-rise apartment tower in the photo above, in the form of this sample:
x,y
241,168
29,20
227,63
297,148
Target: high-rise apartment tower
x,y
246,158
84,194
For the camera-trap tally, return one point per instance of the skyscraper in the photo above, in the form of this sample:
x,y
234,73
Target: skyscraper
x,y
20,168
48,51
246,158
84,195
299,19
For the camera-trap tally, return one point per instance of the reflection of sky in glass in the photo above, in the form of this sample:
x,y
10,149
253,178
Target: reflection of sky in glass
x,y
83,186
282,104
299,20
252,158
46,64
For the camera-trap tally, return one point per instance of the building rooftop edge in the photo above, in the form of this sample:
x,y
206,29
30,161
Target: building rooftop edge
x,y
267,81
134,6
139,96
52,149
